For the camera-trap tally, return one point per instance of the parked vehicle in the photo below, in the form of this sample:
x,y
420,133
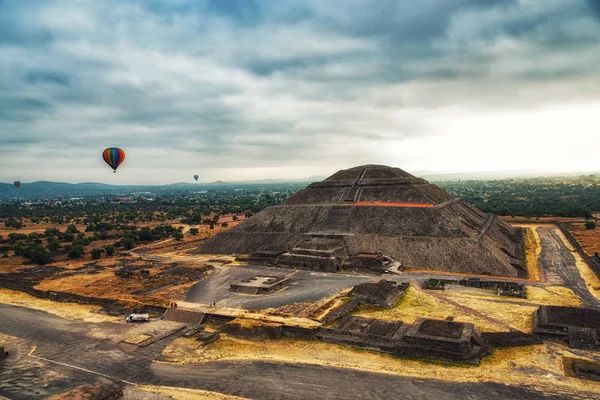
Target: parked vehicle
x,y
137,318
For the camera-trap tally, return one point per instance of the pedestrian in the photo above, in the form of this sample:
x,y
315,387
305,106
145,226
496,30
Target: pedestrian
x,y
214,303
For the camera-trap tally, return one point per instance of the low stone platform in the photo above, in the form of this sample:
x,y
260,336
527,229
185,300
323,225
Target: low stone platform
x,y
226,314
384,293
184,316
581,369
502,288
580,327
259,285
510,339
438,339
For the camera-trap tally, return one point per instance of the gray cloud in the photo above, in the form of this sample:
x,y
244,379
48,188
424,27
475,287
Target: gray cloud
x,y
231,86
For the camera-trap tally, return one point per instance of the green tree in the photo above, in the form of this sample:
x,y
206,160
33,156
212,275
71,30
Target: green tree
x,y
128,243
145,235
76,251
18,249
68,237
40,255
590,225
12,222
50,232
177,235
96,253
15,237
110,250
83,241
53,245
193,231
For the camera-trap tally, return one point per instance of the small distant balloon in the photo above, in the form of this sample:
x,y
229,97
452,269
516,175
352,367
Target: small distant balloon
x,y
196,177
17,184
113,156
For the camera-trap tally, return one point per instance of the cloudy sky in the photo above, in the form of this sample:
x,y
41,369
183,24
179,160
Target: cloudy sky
x,y
245,89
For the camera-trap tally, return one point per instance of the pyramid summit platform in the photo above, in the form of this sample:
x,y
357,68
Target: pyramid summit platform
x,y
372,218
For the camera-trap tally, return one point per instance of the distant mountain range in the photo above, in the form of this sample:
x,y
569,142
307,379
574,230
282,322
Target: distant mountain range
x,y
490,175
45,189
310,179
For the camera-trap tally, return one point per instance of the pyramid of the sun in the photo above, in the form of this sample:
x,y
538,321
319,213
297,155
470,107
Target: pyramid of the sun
x,y
375,217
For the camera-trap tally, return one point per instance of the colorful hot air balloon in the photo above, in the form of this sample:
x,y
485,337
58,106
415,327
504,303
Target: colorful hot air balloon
x,y
196,177
17,183
113,156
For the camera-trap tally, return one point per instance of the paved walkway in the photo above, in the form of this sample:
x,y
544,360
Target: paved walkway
x,y
560,266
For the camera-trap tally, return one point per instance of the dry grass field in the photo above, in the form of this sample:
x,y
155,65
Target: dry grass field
x,y
186,394
532,253
418,303
151,281
73,311
553,296
487,313
538,366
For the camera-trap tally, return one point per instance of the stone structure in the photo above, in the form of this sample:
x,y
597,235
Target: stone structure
x,y
341,311
183,316
373,218
580,327
384,293
427,338
259,285
455,341
582,369
502,288
510,339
